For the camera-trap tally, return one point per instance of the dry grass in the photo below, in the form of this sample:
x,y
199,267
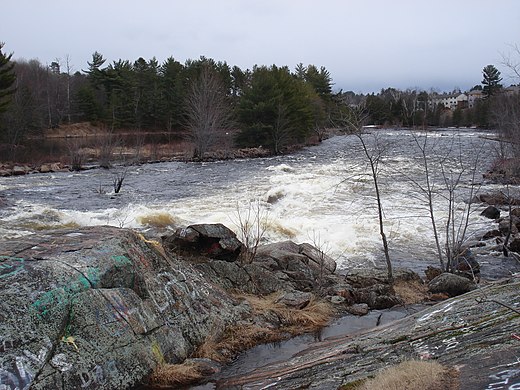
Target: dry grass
x,y
412,375
312,317
168,375
292,321
411,291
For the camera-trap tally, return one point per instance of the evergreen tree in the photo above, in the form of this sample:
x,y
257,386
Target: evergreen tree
x,y
7,79
491,80
276,110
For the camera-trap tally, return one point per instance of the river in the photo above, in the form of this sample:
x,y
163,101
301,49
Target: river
x,y
322,194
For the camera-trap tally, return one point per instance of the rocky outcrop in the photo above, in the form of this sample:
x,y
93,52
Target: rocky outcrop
x,y
450,284
213,240
100,308
473,333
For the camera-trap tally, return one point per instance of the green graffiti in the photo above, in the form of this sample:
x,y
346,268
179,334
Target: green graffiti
x,y
10,269
65,295
122,260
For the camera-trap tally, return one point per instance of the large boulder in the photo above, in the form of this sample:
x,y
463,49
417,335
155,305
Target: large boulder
x,y
450,284
100,308
279,266
491,212
212,240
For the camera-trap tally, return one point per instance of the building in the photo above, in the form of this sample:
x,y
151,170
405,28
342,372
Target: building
x,y
474,96
450,100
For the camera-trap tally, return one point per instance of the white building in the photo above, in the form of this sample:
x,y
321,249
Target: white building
x,y
451,100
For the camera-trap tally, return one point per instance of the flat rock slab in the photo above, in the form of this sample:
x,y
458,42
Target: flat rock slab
x,y
471,332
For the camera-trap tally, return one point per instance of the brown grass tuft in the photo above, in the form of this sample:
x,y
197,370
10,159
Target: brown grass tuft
x,y
412,375
411,291
292,321
168,375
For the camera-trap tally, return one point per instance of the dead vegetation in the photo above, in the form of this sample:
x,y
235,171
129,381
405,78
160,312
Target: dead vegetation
x,y
168,375
273,322
411,291
411,375
276,321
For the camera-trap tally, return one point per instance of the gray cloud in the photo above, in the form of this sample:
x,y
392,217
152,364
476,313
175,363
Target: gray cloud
x,y
366,45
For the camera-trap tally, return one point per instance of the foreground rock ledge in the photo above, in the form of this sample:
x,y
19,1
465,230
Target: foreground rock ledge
x,y
100,308
471,333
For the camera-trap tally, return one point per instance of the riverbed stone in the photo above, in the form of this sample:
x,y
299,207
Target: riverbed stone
x,y
19,170
491,212
515,245
499,199
358,309
100,307
450,284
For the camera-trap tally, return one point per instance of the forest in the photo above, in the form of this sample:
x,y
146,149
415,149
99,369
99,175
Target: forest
x,y
272,107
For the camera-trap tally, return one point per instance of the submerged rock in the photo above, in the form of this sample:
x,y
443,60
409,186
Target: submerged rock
x,y
491,212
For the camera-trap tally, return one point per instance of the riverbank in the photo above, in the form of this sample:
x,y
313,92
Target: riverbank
x,y
83,146
113,309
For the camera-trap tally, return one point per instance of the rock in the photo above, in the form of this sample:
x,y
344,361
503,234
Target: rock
x,y
515,245
432,272
466,265
19,170
377,296
296,299
499,199
492,234
467,332
515,212
365,277
4,172
358,309
45,168
212,240
320,259
506,223
337,300
100,308
450,284
491,212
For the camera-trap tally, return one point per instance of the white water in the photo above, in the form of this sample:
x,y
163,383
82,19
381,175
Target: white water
x,y
323,195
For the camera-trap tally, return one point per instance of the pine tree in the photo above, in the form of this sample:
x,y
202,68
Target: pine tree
x,y
491,80
7,79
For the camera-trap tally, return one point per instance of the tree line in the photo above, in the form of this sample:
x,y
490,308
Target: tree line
x,y
269,106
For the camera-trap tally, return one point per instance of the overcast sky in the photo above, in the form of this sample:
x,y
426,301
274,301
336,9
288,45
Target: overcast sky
x,y
365,44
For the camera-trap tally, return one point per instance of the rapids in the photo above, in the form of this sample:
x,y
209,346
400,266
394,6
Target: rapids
x,y
322,194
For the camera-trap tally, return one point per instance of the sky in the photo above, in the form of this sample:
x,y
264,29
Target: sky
x,y
366,45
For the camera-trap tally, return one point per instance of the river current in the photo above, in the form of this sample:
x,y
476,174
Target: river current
x,y
323,194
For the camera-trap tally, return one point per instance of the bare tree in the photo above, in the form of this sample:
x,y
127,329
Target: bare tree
x,y
428,189
207,110
374,151
251,222
68,68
